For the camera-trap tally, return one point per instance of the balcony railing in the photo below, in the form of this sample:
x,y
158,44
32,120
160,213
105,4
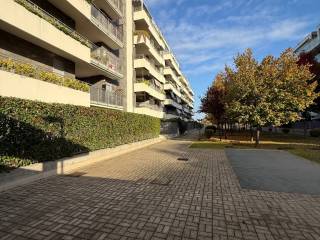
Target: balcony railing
x,y
151,83
105,23
106,98
106,58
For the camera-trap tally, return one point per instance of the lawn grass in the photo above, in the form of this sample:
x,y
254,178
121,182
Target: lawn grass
x,y
208,144
313,155
306,147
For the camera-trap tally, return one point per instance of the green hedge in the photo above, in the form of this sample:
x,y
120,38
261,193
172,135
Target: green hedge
x,y
36,132
33,72
315,132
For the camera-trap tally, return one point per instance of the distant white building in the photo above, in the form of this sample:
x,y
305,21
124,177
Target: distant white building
x,y
310,44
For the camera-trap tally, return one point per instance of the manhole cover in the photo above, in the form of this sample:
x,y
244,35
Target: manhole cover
x,y
161,181
76,174
183,159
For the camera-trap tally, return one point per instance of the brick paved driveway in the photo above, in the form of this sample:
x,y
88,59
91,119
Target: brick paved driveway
x,y
148,194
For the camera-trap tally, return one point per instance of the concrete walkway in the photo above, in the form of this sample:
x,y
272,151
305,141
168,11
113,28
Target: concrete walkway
x,y
149,194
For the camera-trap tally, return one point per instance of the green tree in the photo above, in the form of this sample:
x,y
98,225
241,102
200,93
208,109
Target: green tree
x,y
274,91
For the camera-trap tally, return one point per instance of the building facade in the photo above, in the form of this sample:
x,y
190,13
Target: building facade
x,y
310,44
113,46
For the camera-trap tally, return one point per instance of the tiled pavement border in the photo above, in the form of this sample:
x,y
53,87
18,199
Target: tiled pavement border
x,y
115,200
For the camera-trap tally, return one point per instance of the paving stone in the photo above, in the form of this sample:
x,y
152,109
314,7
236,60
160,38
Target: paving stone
x,y
148,194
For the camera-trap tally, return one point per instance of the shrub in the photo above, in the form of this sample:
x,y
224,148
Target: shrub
x,y
214,128
315,132
33,132
208,133
286,130
31,71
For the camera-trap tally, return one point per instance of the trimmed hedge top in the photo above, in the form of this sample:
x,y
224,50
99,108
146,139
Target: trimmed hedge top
x,y
33,132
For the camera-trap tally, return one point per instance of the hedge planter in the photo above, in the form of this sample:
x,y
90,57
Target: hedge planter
x,y
29,70
33,132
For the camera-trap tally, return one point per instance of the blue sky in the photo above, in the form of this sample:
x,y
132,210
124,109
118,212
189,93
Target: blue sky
x,y
206,34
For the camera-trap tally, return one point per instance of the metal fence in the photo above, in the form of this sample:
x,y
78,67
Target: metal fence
x,y
104,97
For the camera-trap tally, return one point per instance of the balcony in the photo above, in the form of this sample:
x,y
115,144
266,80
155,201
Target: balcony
x,y
152,83
142,61
148,86
116,5
173,61
141,14
143,38
103,58
106,25
173,103
150,109
105,98
169,71
28,21
169,86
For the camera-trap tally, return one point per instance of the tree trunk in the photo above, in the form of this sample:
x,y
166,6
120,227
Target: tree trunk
x,y
257,136
251,132
219,129
225,131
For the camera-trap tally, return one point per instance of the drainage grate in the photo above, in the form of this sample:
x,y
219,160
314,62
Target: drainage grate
x,y
183,159
76,174
161,181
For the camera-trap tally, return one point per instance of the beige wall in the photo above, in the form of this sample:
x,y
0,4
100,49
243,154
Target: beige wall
x,y
14,85
144,63
142,87
19,21
149,112
130,101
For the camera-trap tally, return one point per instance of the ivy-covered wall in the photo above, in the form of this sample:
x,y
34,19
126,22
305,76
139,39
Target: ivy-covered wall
x,y
36,132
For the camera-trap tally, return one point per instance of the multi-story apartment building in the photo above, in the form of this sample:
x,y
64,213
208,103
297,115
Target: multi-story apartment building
x,y
80,39
161,89
311,45
112,45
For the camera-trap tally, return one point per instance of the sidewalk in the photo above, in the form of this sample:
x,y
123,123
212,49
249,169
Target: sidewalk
x,y
149,194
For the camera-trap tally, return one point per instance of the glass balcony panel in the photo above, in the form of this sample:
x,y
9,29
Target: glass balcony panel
x,y
106,97
106,58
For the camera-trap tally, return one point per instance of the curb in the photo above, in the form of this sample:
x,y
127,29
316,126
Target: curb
x,y
37,171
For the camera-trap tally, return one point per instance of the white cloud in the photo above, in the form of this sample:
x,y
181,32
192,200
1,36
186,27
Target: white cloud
x,y
202,44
